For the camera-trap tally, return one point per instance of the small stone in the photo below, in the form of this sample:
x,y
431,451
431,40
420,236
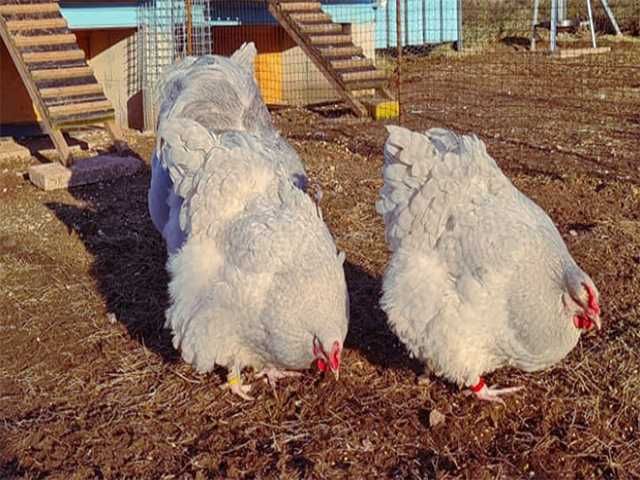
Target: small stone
x,y
112,317
367,446
573,233
436,418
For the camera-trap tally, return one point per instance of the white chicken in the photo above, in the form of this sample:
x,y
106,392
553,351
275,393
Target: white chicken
x,y
256,280
479,277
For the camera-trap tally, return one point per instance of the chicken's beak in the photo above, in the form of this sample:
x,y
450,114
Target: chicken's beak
x,y
336,373
596,320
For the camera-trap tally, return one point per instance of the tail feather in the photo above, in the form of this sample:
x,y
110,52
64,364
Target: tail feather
x,y
423,173
245,55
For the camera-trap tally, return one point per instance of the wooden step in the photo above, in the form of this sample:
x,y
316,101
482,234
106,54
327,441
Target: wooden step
x,y
339,52
87,89
21,9
23,41
88,118
310,17
330,39
61,73
40,24
351,63
55,56
371,74
311,28
300,6
355,85
74,108
58,101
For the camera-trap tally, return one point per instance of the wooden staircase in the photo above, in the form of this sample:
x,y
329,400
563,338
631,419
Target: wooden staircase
x,y
54,70
330,47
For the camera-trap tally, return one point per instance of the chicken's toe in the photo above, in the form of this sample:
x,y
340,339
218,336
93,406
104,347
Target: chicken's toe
x,y
274,374
234,384
492,394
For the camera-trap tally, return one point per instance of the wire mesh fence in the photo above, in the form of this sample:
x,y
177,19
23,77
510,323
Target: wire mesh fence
x,y
465,63
577,98
167,31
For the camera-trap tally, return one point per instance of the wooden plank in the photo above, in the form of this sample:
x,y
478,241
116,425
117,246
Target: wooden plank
x,y
83,119
311,28
337,52
351,63
35,57
56,136
40,24
87,89
57,101
330,39
372,74
61,73
23,41
72,108
116,135
356,85
300,6
21,9
310,17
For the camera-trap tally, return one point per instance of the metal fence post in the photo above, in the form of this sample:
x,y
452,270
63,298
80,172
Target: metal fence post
x,y
460,42
399,54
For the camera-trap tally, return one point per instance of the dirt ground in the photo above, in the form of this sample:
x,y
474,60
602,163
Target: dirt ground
x,y
90,386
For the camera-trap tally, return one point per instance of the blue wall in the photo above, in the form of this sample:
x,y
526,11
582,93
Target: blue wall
x,y
100,15
426,21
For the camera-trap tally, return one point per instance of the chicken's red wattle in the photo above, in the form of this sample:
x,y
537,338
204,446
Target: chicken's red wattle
x,y
322,365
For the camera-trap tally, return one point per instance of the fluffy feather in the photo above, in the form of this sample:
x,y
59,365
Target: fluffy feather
x,y
218,94
478,275
255,274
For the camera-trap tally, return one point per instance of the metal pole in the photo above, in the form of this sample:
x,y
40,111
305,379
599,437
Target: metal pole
x,y
406,22
554,23
399,49
424,21
189,18
562,10
387,15
441,6
612,19
534,24
591,26
460,44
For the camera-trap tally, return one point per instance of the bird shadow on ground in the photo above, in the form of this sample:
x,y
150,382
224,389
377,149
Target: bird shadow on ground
x,y
128,255
369,332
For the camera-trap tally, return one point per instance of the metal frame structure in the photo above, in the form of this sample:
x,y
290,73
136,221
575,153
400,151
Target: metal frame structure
x,y
559,20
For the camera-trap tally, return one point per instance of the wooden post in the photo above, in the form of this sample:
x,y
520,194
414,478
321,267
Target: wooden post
x,y
117,137
189,19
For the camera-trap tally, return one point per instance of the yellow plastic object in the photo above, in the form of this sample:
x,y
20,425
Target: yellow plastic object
x,y
384,110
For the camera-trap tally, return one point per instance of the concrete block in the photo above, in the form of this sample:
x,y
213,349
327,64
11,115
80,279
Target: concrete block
x,y
52,176
10,150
